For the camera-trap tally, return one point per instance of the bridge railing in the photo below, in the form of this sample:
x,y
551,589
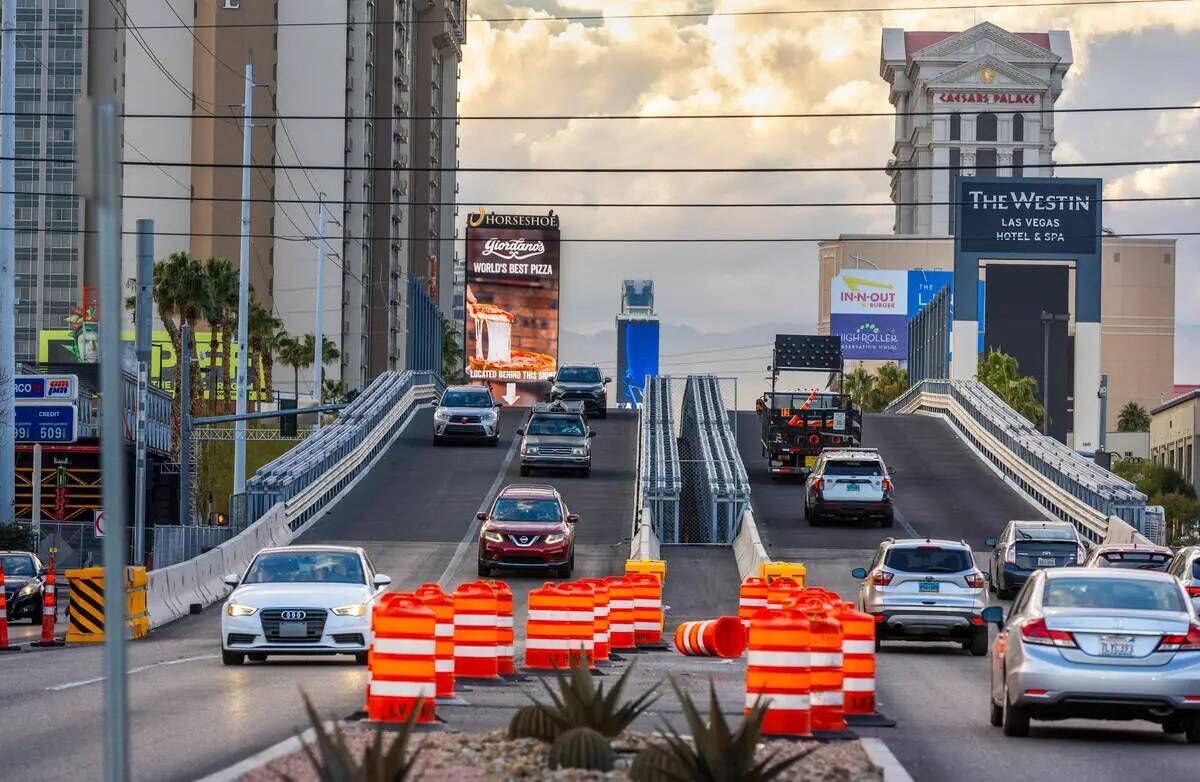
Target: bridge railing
x,y
289,493
716,486
658,476
1068,485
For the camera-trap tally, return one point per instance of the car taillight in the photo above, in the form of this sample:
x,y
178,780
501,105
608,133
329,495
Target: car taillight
x,y
881,578
1193,591
1010,556
1036,632
975,580
814,439
819,484
1181,643
887,484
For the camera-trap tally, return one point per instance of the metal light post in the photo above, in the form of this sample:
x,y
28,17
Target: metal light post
x,y
319,358
239,443
145,283
184,362
8,279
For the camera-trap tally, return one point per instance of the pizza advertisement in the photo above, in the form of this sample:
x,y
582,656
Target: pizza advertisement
x,y
512,299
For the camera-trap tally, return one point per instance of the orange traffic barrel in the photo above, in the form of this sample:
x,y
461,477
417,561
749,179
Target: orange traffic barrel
x,y
777,671
858,660
600,624
581,621
721,637
547,631
647,608
475,632
828,710
752,598
504,628
400,664
780,591
621,615
442,606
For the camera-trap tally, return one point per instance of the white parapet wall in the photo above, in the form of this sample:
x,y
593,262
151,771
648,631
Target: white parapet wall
x,y
644,543
748,547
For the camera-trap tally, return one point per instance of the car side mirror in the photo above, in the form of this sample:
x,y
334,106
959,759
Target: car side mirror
x,y
571,519
994,615
521,432
231,580
497,405
987,577
481,516
43,571
382,580
859,572
990,542
607,380
591,433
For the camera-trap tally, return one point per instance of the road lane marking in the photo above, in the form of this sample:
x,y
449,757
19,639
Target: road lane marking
x,y
904,523
879,754
139,669
472,536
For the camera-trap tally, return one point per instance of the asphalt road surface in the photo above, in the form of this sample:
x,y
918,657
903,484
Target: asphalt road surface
x,y
938,693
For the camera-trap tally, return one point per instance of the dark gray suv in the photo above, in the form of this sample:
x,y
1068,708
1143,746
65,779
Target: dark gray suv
x,y
582,383
556,437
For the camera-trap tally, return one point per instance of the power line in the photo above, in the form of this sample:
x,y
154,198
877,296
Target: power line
x,y
644,16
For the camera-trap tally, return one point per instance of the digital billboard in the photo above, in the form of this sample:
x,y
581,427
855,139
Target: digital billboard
x,y
869,312
512,300
637,357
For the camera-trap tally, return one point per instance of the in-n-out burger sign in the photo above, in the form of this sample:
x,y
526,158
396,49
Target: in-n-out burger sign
x,y
1005,98
513,249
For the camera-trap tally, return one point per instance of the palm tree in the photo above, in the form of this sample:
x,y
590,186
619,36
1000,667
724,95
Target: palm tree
x,y
452,351
298,353
1133,418
266,337
1000,372
221,314
181,293
857,385
334,392
890,382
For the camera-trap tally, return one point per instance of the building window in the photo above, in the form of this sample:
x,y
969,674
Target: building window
x,y
985,127
955,126
1018,127
985,162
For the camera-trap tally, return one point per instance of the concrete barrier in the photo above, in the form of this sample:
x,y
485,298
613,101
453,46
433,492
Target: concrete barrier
x,y
1120,531
748,547
644,543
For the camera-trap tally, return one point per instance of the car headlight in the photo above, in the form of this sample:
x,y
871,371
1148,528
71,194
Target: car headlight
x,y
556,389
441,415
489,417
356,609
531,449
556,537
578,451
494,537
235,609
28,589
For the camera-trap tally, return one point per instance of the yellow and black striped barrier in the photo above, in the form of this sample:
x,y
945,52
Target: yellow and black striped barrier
x,y
85,612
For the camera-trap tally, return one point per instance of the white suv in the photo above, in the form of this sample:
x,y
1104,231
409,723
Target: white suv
x,y
923,589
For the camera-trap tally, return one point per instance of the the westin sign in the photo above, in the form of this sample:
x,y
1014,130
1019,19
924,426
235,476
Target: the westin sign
x,y
1029,216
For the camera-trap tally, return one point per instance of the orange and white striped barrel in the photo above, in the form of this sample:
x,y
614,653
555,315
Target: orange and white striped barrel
x,y
600,624
581,621
647,608
475,632
752,598
779,591
504,628
828,710
621,614
777,670
400,664
547,629
442,606
858,660
721,637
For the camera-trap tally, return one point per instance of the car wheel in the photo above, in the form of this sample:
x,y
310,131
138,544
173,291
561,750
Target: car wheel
x,y
1193,730
1003,594
602,412
256,658
888,520
978,645
360,658
878,644
1175,724
494,441
524,472
814,519
483,570
232,658
35,617
1016,719
436,441
996,714
587,472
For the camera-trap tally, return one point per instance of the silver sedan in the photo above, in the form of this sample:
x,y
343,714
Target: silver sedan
x,y
1097,644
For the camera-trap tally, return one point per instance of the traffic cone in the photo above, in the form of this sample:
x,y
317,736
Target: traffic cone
x,y
49,610
4,647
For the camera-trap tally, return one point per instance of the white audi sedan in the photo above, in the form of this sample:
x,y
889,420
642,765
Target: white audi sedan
x,y
301,600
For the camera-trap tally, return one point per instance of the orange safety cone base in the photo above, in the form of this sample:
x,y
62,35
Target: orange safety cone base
x,y
396,710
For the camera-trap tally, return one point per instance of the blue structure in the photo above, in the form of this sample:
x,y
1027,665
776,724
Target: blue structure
x,y
424,346
637,342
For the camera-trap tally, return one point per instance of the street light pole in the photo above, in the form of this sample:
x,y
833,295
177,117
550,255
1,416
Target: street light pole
x,y
319,358
8,279
239,443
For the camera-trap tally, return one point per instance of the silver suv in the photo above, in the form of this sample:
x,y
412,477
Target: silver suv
x,y
849,483
467,413
922,589
556,437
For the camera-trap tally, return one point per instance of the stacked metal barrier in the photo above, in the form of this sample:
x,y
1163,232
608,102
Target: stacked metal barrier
x,y
717,489
659,481
1071,473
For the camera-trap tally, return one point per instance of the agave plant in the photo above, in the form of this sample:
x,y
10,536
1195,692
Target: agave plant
x,y
716,753
580,703
334,761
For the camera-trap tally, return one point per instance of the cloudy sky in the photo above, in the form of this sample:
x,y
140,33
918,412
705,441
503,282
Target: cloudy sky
x,y
1124,55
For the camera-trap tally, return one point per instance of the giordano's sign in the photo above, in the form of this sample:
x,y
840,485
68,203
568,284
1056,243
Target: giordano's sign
x,y
485,219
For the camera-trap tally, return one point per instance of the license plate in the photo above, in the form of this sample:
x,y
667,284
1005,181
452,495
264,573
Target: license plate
x,y
292,629
810,461
1116,646
852,487
927,586
1045,561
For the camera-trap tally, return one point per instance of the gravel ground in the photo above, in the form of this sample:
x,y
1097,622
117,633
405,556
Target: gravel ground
x,y
479,757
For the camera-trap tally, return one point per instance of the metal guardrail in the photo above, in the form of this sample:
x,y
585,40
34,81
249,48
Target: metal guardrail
x,y
1067,484
717,489
659,481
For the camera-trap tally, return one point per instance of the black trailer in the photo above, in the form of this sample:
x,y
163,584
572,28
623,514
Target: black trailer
x,y
798,425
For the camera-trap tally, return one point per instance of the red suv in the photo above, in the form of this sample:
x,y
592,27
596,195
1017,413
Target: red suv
x,y
527,527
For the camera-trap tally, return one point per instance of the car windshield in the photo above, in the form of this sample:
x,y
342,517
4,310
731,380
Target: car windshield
x,y
567,427
929,559
1113,593
1045,533
865,468
465,399
335,567
579,375
1134,560
525,510
18,565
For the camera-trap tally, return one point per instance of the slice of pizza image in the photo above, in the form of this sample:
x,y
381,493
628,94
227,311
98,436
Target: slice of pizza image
x,y
493,343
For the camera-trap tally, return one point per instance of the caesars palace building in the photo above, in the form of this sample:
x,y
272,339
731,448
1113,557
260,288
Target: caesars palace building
x,y
973,101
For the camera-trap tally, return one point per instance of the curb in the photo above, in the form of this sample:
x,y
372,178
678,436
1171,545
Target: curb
x,y
260,759
881,756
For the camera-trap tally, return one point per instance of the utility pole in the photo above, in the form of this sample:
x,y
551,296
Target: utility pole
x,y
184,363
239,436
145,284
8,278
319,358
